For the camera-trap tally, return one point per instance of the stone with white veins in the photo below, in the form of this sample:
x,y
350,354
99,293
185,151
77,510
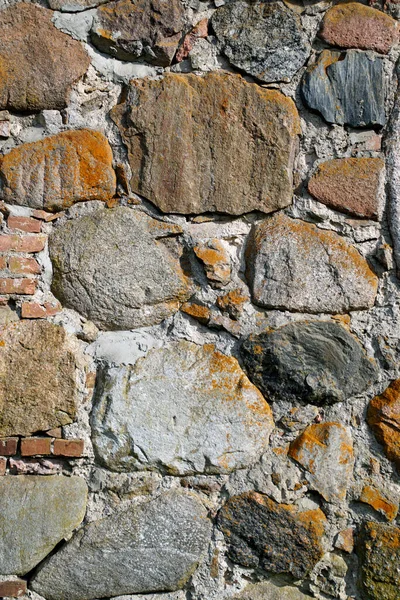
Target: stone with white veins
x,y
182,409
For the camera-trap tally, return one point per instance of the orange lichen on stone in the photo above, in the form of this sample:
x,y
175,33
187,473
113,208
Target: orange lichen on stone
x,y
216,261
374,497
233,302
197,311
383,417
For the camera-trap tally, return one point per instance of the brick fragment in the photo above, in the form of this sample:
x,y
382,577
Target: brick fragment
x,y
26,224
26,243
8,446
23,266
3,465
55,433
3,262
34,310
46,216
35,445
15,588
32,466
72,448
18,286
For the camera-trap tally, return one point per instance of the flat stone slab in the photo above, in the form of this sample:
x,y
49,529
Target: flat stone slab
x,y
178,129
153,547
36,514
211,418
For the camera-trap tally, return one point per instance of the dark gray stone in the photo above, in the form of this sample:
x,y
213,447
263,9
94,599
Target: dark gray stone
x,y
264,39
317,362
347,88
153,547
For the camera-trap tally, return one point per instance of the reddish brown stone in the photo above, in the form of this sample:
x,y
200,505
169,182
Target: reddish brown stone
x,y
35,446
24,243
355,25
199,31
23,266
345,540
383,417
350,185
8,446
25,287
34,310
26,224
68,448
13,589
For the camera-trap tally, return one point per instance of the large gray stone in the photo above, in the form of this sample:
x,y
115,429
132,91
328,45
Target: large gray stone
x,y
182,409
36,514
347,89
264,39
267,590
154,547
293,265
317,362
113,267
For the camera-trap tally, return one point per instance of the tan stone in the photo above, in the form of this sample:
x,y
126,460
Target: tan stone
x,y
383,417
345,540
216,261
37,378
212,143
56,172
38,63
354,25
350,185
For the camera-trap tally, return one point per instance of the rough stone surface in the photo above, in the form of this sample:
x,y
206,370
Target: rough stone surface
x,y
180,132
211,419
74,5
293,265
58,171
350,185
216,262
37,378
134,29
36,514
276,537
325,450
355,25
383,417
379,553
264,39
316,362
379,501
36,76
266,590
154,547
113,267
347,90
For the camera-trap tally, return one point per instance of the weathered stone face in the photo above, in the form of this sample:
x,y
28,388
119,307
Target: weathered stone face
x,y
74,5
350,185
384,419
37,378
379,553
36,76
265,39
178,130
134,29
325,450
317,362
154,547
113,267
261,533
211,418
58,171
293,265
355,25
36,514
266,590
347,90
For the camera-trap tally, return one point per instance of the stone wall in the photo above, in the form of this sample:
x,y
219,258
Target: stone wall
x,y
199,300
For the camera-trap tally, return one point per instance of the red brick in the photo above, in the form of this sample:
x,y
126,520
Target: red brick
x,y
23,266
25,243
13,589
24,224
3,465
35,445
8,446
3,262
73,448
34,310
45,216
18,286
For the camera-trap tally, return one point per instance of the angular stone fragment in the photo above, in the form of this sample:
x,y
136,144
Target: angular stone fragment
x,y
293,265
316,362
265,39
379,553
74,5
211,418
347,89
36,514
54,173
276,537
266,590
216,261
37,378
148,548
379,501
139,29
113,267
350,185
355,25
325,450
180,132
383,417
36,76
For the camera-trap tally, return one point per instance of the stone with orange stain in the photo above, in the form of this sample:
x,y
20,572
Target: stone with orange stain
x,y
198,32
36,76
345,540
325,450
58,171
379,501
198,311
378,549
233,302
354,25
293,265
216,261
383,417
181,131
180,410
350,185
274,537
